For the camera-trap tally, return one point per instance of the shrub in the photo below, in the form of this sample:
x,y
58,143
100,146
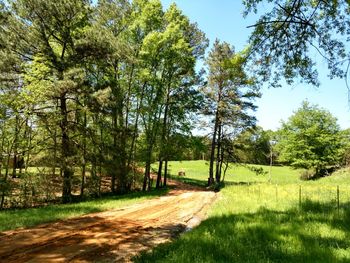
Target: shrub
x,y
257,170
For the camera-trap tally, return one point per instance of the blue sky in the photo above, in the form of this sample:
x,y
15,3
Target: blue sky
x,y
223,20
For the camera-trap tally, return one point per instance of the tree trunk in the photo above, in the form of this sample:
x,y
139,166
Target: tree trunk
x,y
23,154
218,155
123,171
159,175
15,148
225,170
29,148
165,173
212,152
83,173
93,172
128,96
163,140
65,152
134,136
5,180
147,176
2,148
214,139
54,162
114,155
100,163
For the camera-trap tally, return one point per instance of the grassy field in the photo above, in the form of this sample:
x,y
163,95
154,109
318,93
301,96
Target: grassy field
x,y
197,172
12,219
287,220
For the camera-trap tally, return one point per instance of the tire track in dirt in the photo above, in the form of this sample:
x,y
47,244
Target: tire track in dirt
x,y
111,236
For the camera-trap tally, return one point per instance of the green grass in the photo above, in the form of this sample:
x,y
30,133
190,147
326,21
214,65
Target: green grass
x,y
12,219
263,222
197,171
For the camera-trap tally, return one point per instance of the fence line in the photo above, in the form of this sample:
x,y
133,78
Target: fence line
x,y
336,197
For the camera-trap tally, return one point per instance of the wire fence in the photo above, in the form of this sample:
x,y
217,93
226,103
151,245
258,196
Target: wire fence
x,y
327,197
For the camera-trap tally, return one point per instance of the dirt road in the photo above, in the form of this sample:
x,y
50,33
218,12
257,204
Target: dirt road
x,y
112,236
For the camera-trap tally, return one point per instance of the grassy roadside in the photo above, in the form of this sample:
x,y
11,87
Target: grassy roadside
x,y
255,223
12,219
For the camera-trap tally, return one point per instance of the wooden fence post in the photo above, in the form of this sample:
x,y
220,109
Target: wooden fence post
x,y
299,196
338,205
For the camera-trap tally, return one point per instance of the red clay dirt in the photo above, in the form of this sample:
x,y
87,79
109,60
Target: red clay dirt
x,y
112,236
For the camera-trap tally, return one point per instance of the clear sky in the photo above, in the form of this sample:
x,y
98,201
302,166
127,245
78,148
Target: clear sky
x,y
224,20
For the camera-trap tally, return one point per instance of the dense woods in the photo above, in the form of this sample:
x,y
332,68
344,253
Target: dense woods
x,y
94,92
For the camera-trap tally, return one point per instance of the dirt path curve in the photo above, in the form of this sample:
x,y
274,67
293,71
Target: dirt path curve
x,y
112,236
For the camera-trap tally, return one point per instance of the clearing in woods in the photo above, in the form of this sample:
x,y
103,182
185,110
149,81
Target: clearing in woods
x,y
112,236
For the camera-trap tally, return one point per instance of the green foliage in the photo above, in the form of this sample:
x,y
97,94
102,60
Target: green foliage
x,y
345,149
289,33
257,170
310,139
253,146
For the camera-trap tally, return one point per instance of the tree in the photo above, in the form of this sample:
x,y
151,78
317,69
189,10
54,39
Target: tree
x,y
184,46
46,37
310,139
286,38
253,146
345,149
229,92
116,68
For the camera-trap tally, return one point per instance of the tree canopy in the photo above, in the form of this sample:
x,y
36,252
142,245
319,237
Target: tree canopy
x,y
287,36
310,139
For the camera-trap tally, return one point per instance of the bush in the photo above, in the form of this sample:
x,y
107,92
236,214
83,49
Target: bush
x,y
257,170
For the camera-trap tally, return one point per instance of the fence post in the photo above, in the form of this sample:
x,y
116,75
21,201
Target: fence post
x,y
299,196
338,205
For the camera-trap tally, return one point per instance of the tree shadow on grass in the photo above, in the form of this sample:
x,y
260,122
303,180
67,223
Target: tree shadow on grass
x,y
239,183
204,183
302,234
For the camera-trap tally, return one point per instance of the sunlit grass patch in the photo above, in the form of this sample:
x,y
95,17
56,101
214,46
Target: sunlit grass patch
x,y
288,220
